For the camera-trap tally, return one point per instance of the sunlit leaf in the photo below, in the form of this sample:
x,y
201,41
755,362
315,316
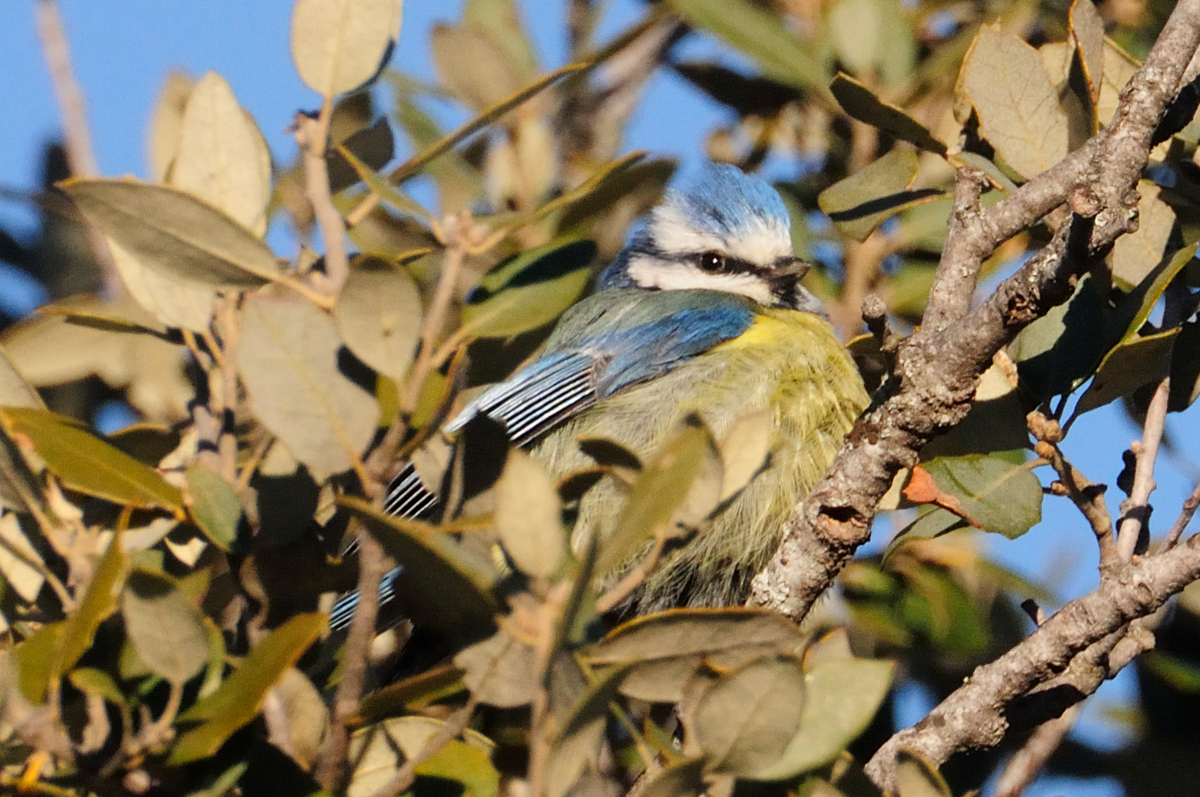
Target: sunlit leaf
x,y
916,777
97,682
162,139
99,601
379,750
240,696
1119,67
528,516
16,554
88,464
471,66
517,301
499,18
685,632
174,233
214,505
500,671
164,626
1087,33
1134,309
744,449
378,314
1016,102
15,478
1127,366
338,45
860,202
288,355
995,492
1134,255
840,700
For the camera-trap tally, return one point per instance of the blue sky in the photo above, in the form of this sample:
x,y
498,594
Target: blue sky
x,y
122,50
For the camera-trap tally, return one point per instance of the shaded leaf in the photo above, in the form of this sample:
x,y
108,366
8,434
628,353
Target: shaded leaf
x,y
681,779
378,315
861,103
219,156
14,390
238,700
744,721
1134,308
684,632
99,601
371,148
214,505
1127,366
781,54
1136,254
529,291
500,671
1017,105
379,750
165,627
380,187
88,464
1185,368
993,172
305,718
747,94
1061,348
840,700
582,732
442,586
860,202
338,45
288,355
174,233
660,680
528,516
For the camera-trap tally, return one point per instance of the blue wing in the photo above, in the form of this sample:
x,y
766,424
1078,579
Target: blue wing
x,y
611,341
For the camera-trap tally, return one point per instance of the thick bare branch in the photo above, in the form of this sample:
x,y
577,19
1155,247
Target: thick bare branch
x,y
957,272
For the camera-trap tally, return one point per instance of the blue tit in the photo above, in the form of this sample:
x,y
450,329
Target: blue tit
x,y
702,312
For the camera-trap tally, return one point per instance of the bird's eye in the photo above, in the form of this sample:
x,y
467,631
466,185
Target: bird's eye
x,y
712,262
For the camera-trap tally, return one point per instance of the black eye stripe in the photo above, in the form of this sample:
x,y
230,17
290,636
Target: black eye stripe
x,y
728,265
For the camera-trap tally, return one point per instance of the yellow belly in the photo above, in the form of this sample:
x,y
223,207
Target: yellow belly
x,y
788,360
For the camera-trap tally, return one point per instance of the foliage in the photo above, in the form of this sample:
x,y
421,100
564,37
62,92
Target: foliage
x,y
164,584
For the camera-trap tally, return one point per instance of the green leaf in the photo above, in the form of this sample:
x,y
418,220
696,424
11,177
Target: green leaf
x,y
1017,104
443,586
175,234
1136,254
993,172
377,751
338,45
862,104
165,628
472,67
781,54
995,422
378,315
684,632
582,732
1087,33
516,302
996,492
35,661
381,187
1062,348
745,447
860,202
88,464
97,682
916,777
528,516
1134,308
221,156
15,391
371,148
1185,368
500,20
680,779
288,355
841,699
96,605
165,121
240,696
214,505
1127,366
744,721
500,671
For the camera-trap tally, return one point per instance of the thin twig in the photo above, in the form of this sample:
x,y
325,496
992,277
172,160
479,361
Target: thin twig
x,y
312,135
1190,505
1135,512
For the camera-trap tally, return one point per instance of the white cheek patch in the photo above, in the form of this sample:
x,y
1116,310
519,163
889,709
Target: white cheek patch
x,y
650,273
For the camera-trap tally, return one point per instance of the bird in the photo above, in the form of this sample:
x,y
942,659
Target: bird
x,y
701,315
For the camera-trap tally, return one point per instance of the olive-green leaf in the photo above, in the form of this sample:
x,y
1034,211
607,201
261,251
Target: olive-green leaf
x,y
378,314
703,632
166,628
88,464
214,505
500,671
528,516
761,35
220,155
1119,67
1136,254
916,777
380,749
35,660
1018,107
861,103
238,700
499,18
15,391
99,601
860,202
288,355
97,682
174,233
744,721
582,731
1127,366
744,449
338,45
858,33
18,558
472,66
517,301
681,779
841,699
1087,33
1134,309
442,587
996,492
173,301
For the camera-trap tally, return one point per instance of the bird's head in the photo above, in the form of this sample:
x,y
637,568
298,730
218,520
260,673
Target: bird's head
x,y
727,231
